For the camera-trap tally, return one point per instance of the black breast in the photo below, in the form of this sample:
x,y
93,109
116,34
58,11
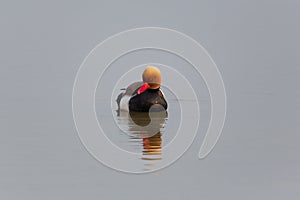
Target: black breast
x,y
143,102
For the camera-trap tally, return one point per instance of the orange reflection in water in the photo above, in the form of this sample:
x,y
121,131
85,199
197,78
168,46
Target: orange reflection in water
x,y
152,147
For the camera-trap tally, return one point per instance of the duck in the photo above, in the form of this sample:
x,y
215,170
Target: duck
x,y
142,95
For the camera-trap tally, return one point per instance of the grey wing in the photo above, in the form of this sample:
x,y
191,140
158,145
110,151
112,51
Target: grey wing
x,y
132,88
119,98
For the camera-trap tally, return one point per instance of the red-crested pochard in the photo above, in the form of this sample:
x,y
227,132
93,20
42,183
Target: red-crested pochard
x,y
141,96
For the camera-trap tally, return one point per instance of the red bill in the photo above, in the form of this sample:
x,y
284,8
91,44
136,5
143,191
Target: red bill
x,y
144,87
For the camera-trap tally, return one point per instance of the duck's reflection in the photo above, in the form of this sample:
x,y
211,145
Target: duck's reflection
x,y
146,124
151,126
147,128
152,147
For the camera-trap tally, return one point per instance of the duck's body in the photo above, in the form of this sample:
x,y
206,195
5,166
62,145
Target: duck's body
x,y
130,100
144,101
141,96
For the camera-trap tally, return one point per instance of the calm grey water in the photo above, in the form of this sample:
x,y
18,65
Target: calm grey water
x,y
256,47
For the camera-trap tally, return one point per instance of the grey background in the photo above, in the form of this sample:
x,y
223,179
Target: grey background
x,y
256,47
